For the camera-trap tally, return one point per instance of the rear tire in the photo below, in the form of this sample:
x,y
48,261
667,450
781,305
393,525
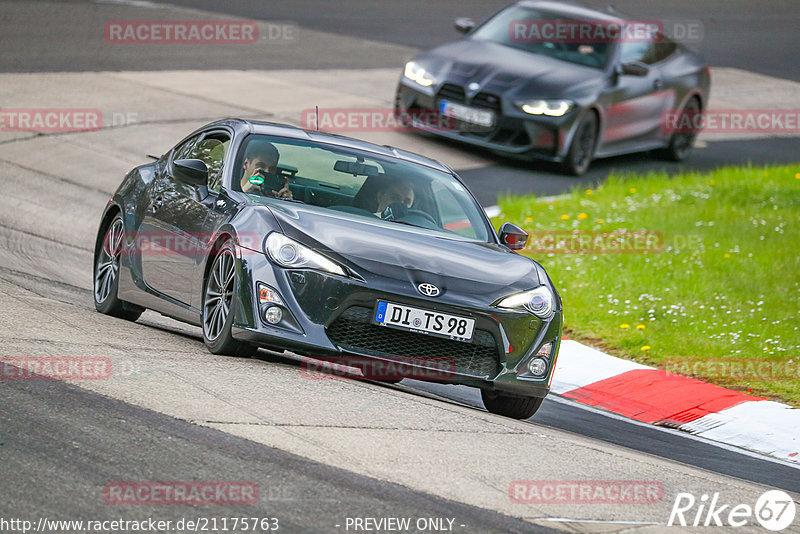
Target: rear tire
x,y
510,406
682,143
581,150
219,298
107,273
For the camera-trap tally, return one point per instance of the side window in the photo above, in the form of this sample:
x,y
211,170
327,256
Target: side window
x,y
647,52
183,150
635,51
663,49
211,150
451,213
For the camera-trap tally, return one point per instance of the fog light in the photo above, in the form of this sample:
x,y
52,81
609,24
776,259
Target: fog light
x,y
537,367
273,315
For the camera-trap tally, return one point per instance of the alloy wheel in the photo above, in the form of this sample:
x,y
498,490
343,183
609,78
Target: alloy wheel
x,y
218,294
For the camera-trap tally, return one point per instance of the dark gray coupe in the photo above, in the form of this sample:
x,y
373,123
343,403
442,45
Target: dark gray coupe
x,y
552,81
267,235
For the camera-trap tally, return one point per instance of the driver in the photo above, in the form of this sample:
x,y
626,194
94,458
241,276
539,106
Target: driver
x,y
396,192
261,164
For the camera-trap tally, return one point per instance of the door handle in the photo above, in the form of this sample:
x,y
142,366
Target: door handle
x,y
658,83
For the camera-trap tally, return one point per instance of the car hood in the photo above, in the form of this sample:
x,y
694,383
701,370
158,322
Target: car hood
x,y
509,72
400,254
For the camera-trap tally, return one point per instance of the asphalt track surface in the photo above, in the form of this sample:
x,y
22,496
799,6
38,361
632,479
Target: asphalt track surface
x,y
756,35
59,455
59,443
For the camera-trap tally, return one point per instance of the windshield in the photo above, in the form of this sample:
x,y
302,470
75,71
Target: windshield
x,y
358,184
583,42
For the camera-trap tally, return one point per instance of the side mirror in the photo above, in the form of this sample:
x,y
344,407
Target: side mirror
x,y
191,171
634,68
464,25
513,236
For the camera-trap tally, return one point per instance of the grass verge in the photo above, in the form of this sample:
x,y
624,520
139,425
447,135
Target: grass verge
x,y
698,274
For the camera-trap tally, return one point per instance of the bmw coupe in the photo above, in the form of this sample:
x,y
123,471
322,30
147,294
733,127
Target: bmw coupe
x,y
267,235
558,82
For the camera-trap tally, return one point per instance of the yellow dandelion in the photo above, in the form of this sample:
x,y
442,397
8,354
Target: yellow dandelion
x,y
727,255
600,221
632,190
640,327
582,216
797,175
564,217
712,182
588,191
645,347
624,326
528,219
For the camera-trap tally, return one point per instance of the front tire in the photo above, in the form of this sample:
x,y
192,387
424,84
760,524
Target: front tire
x,y
107,273
510,406
219,298
581,151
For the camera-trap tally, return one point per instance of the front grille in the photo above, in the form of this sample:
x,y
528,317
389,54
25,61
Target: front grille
x,y
486,100
353,331
450,91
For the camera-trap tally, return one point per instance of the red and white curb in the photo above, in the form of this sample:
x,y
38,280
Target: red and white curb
x,y
654,396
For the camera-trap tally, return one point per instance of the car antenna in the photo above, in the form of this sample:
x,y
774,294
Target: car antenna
x,y
317,109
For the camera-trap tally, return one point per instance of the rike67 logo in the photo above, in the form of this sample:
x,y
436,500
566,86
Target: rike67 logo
x,y
774,510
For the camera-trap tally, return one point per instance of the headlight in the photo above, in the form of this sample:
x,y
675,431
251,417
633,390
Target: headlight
x,y
539,301
289,253
416,73
551,108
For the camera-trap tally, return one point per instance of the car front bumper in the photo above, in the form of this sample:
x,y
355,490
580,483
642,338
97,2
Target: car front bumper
x,y
330,318
515,133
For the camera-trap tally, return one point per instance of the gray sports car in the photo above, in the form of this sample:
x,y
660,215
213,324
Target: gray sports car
x,y
266,235
552,81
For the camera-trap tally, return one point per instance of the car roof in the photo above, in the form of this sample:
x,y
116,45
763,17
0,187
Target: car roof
x,y
572,10
286,130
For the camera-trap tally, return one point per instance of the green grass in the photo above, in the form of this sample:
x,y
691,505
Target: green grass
x,y
720,301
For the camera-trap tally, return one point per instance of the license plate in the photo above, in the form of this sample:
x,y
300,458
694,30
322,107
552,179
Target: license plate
x,y
424,321
481,117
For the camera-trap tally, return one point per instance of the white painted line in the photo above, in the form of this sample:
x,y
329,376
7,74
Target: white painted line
x,y
675,432
765,426
597,521
134,3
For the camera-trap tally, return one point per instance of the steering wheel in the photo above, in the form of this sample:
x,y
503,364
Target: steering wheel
x,y
424,215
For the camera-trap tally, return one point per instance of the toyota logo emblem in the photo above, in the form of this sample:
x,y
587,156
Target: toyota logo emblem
x,y
429,290
474,86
